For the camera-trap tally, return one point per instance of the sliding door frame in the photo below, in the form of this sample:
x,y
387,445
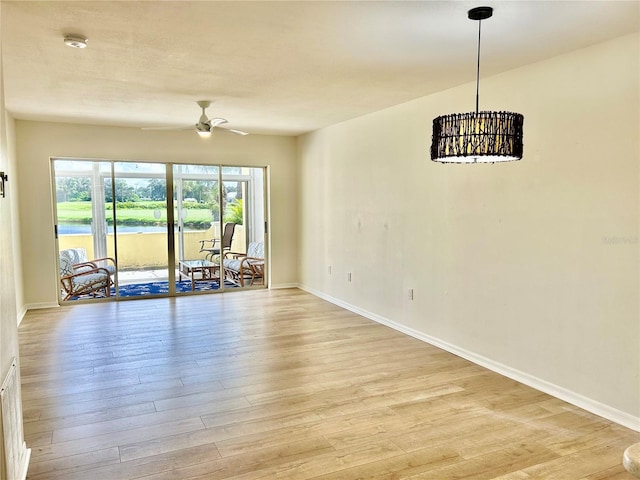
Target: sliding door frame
x,y
99,218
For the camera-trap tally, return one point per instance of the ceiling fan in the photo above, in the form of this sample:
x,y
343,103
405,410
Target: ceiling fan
x,y
205,125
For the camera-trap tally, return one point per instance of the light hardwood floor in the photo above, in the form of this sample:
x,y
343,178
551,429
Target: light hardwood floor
x,y
280,384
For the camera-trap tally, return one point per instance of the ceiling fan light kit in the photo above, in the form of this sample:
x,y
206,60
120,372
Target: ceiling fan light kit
x,y
477,137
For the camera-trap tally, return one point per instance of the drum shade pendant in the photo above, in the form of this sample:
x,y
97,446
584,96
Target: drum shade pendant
x,y
477,137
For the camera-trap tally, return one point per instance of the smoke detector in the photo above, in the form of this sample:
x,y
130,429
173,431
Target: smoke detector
x,y
75,41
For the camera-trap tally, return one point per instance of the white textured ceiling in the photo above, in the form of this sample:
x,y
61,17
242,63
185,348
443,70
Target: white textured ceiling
x,y
272,67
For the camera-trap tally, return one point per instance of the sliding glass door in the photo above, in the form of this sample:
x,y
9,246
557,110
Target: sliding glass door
x,y
219,212
171,229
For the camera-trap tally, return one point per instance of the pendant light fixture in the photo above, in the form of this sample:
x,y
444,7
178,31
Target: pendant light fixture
x,y
477,137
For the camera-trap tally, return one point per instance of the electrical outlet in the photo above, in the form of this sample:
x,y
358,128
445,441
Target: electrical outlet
x,y
411,294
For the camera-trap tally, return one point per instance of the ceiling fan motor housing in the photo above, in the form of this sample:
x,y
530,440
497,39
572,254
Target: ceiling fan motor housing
x,y
203,126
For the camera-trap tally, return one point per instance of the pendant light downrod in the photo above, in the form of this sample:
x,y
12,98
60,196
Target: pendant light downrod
x,y
479,14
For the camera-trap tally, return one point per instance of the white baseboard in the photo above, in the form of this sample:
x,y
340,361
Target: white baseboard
x,y
25,464
38,306
21,314
589,404
280,286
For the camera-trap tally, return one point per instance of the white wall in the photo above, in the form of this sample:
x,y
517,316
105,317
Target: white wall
x,y
529,267
9,250
37,142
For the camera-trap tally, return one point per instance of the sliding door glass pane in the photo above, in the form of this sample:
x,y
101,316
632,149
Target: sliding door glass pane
x,y
82,217
243,205
141,228
197,216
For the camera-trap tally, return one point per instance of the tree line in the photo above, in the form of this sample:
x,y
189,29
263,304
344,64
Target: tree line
x,y
78,189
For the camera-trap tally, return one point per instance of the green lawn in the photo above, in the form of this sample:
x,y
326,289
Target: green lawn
x,y
80,213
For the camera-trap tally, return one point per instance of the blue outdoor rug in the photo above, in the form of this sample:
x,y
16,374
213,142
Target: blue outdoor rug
x,y
162,288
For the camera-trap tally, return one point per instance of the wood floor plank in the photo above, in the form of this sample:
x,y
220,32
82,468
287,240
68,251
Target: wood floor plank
x,y
212,435
195,463
280,384
399,466
102,415
101,399
108,456
330,462
100,441
493,464
77,384
146,420
580,464
614,473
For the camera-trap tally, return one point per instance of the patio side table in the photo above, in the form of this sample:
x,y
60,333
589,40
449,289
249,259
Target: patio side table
x,y
206,269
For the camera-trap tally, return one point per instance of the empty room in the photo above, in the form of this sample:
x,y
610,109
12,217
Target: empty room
x,y
320,240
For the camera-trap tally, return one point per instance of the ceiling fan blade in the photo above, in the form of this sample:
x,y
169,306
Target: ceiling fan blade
x,y
232,130
214,122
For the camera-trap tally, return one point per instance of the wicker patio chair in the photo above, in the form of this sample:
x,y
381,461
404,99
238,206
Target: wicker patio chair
x,y
79,276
